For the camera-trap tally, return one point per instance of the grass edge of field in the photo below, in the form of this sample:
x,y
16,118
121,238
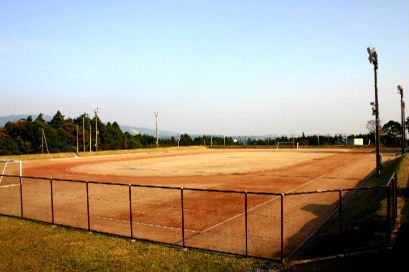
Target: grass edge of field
x,y
35,246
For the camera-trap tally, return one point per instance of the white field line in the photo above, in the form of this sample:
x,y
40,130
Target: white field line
x,y
4,170
268,201
140,223
10,185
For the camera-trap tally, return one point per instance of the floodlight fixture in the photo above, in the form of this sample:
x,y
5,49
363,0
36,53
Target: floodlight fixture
x,y
373,56
400,90
156,113
96,110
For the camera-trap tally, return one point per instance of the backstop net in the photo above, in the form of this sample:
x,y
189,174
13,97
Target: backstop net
x,y
288,145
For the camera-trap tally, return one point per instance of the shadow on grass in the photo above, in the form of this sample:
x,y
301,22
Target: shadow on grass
x,y
387,260
363,226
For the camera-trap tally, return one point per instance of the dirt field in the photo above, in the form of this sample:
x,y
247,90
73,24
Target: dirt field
x,y
212,220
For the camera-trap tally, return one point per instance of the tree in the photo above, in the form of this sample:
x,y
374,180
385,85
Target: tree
x,y
371,126
185,140
58,120
391,132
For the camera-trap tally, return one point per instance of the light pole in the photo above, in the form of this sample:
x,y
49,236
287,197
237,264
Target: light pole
x,y
83,131
373,59
96,110
402,114
156,113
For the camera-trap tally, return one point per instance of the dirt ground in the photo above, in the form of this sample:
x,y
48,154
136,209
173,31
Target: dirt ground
x,y
212,220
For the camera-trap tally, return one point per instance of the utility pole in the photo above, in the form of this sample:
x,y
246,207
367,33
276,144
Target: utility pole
x,y
156,113
90,138
44,140
292,136
96,110
83,132
373,59
402,114
77,139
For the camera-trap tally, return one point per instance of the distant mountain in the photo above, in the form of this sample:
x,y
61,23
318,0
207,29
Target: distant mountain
x,y
13,118
148,131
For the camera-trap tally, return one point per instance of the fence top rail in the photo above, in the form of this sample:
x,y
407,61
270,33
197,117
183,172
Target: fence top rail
x,y
394,175
337,190
210,190
142,185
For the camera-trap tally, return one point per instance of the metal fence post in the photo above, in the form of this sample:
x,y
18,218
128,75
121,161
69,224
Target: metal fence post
x,y
282,227
52,200
21,198
183,217
246,220
388,212
340,212
395,198
130,209
89,225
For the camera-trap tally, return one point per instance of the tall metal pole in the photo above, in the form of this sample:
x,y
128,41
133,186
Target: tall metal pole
x,y
90,137
157,132
96,133
83,132
402,115
378,155
373,58
77,139
96,110
42,142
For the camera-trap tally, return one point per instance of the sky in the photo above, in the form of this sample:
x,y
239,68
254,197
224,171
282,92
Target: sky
x,y
259,67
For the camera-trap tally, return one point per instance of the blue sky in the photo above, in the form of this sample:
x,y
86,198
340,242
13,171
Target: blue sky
x,y
215,67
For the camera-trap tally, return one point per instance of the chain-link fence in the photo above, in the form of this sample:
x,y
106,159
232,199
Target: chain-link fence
x,y
268,225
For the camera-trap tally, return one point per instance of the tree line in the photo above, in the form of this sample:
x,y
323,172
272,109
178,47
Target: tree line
x,y
28,136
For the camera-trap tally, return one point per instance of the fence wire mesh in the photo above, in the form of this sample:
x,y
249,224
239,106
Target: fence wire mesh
x,y
10,196
304,214
36,195
264,225
365,220
157,214
255,224
109,208
70,204
215,221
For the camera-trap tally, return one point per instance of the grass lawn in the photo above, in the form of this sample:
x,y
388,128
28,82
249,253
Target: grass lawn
x,y
32,246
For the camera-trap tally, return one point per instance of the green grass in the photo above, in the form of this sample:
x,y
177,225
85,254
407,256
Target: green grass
x,y
32,246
